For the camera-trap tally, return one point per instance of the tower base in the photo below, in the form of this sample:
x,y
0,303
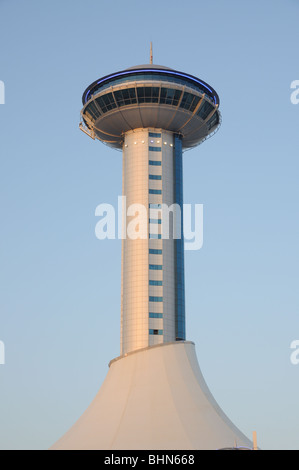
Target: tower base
x,y
154,398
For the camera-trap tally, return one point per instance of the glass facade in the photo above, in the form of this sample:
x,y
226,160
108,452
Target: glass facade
x,y
188,101
153,298
205,109
125,97
155,283
155,315
155,191
178,78
170,96
154,251
155,177
213,121
148,94
154,134
179,246
157,267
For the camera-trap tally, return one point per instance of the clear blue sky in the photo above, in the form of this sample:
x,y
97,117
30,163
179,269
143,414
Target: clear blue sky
x,y
60,285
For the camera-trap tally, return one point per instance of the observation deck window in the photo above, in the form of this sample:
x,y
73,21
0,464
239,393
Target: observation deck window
x,y
205,110
170,96
106,102
189,101
213,120
125,97
92,111
153,76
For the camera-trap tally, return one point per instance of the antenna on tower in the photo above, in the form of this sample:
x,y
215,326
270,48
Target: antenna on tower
x,y
151,53
255,447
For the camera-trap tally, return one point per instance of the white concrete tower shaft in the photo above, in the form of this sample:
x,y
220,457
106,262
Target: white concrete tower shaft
x,y
152,293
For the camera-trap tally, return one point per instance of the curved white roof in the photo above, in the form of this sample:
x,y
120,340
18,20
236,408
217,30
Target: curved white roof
x,y
155,398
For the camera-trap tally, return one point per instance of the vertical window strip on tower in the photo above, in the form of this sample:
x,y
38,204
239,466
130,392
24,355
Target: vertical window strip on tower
x,y
179,246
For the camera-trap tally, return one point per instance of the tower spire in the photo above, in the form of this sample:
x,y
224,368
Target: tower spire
x,y
151,53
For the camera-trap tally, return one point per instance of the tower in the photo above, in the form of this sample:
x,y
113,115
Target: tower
x,y
154,396
152,113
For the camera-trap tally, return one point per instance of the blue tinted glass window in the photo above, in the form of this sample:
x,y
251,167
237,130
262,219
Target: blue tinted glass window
x,y
170,96
125,97
205,110
153,298
156,267
92,110
155,283
155,191
189,101
155,149
156,332
106,102
155,177
155,163
148,94
155,315
154,251
194,103
155,206
155,236
141,94
154,134
186,100
179,247
167,95
155,221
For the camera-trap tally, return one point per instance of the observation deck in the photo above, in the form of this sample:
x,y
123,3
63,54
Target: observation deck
x,y
150,96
